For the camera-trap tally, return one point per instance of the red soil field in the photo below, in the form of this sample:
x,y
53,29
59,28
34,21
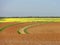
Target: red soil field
x,y
9,36
45,28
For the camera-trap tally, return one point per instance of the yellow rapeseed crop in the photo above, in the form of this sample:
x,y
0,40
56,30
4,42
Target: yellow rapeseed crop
x,y
30,20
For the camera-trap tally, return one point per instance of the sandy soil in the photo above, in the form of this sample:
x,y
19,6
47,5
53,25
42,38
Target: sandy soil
x,y
9,36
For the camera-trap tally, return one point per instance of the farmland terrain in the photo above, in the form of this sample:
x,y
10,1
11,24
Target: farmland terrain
x,y
29,33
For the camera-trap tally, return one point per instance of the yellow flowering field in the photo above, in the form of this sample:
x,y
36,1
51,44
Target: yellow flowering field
x,y
30,20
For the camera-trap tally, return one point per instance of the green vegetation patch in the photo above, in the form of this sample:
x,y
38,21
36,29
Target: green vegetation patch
x,y
18,32
1,29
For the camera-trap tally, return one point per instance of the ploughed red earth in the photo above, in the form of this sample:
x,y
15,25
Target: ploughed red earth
x,y
42,34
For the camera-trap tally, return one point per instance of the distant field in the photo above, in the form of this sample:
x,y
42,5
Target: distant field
x,y
30,20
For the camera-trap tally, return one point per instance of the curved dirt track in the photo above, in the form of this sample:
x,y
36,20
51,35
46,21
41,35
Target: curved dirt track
x,y
14,28
45,28
9,36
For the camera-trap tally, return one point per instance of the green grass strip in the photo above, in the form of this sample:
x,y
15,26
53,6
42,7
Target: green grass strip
x,y
1,22
26,27
25,30
1,29
18,32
